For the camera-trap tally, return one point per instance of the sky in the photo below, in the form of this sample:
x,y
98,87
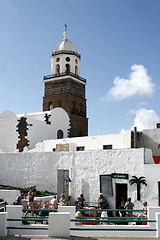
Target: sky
x,y
119,44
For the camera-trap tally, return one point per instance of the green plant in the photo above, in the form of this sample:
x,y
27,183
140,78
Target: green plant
x,y
26,189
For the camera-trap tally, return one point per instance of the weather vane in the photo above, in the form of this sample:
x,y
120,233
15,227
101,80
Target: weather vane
x,y
65,28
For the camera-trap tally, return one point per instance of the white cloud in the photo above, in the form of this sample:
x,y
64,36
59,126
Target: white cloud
x,y
145,119
138,83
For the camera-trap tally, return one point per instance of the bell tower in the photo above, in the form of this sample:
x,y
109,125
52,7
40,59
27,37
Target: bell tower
x,y
65,88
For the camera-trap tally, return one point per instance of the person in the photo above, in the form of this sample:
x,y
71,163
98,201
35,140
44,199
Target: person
x,y
62,200
82,200
43,212
19,198
104,216
129,205
53,203
78,214
31,195
145,207
102,201
122,213
78,203
143,213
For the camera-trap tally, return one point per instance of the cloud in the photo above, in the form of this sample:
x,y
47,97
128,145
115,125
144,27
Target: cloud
x,y
138,83
145,119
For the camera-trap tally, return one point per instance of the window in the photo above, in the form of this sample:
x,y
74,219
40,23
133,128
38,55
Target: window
x,y
107,147
106,185
59,134
50,106
158,125
67,59
80,148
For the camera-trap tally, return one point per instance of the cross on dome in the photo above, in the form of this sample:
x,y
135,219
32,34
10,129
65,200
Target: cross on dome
x,y
65,34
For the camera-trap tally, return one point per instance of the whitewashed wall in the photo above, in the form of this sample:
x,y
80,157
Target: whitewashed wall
x,y
40,169
9,196
38,132
118,141
151,171
8,134
151,139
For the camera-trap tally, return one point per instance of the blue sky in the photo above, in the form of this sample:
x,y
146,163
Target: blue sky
x,y
119,41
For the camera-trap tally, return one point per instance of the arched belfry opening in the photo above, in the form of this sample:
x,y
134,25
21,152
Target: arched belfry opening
x,y
67,68
57,69
76,70
65,87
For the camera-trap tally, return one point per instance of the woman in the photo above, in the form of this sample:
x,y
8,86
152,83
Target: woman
x,y
62,200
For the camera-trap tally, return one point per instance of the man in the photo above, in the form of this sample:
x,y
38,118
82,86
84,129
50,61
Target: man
x,y
129,205
102,201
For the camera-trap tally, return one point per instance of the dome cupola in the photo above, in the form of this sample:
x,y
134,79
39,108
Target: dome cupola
x,y
65,58
65,45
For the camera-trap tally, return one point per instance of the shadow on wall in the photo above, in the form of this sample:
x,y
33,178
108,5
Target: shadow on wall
x,y
85,190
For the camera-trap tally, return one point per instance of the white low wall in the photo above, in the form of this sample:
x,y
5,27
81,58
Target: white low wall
x,y
9,196
59,226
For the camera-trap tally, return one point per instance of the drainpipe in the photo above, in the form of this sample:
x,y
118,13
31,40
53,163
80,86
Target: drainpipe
x,y
135,137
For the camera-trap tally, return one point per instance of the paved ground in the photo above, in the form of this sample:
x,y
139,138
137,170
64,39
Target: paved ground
x,y
33,237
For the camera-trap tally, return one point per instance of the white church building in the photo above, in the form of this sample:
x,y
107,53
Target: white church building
x,y
52,150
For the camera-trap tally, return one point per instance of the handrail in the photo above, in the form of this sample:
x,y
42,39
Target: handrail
x,y
65,74
26,219
115,229
110,217
40,210
111,220
66,52
28,228
109,210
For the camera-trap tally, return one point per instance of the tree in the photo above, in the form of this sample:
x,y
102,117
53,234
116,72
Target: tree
x,y
138,181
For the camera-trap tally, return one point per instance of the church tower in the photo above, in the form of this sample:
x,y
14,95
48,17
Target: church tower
x,y
65,88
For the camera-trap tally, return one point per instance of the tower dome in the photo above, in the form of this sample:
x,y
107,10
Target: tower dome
x,y
65,58
65,45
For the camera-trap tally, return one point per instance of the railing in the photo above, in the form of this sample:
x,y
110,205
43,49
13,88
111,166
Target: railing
x,y
66,52
64,74
111,226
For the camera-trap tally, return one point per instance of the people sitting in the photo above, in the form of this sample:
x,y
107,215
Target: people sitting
x,y
19,198
53,204
62,200
102,201
82,200
43,212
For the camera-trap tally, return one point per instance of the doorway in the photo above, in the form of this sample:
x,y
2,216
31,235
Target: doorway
x,y
121,193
